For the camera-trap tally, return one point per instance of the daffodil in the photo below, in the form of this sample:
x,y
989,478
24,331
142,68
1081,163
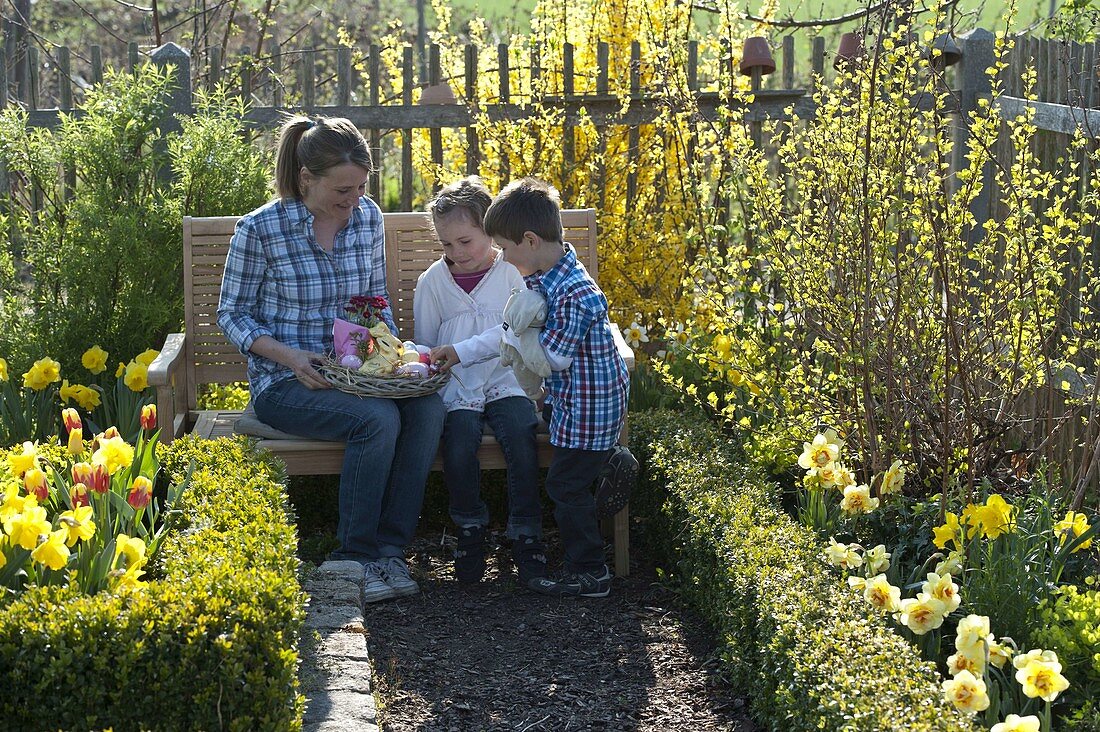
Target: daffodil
x,y
1000,653
844,556
137,376
857,499
21,462
87,397
950,531
922,613
843,477
635,334
25,528
972,634
997,516
1042,679
129,551
857,583
147,356
893,479
44,372
967,692
94,359
52,552
1074,523
877,559
129,579
14,503
826,475
1016,723
883,595
967,661
943,588
953,564
114,454
78,524
3,369
819,453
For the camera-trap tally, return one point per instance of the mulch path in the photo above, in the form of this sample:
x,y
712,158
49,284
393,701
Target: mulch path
x,y
495,656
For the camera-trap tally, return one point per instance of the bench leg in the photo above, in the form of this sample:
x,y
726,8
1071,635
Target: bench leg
x,y
621,533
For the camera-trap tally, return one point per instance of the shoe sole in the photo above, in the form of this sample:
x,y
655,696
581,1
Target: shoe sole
x,y
378,595
405,591
610,503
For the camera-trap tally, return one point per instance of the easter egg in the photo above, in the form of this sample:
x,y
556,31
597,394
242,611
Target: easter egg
x,y
409,346
351,361
417,370
423,350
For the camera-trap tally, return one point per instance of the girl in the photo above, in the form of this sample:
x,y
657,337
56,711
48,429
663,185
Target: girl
x,y
461,295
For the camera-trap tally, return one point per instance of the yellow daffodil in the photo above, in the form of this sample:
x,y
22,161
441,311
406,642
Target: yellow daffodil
x,y
877,559
966,661
3,369
147,357
1016,723
78,524
137,376
883,595
997,517
129,552
3,556
14,504
972,634
844,478
857,499
94,359
859,584
953,564
826,475
844,556
943,588
120,370
967,692
951,531
25,528
129,579
819,453
1000,653
922,613
67,391
114,454
44,372
1036,655
972,520
1076,524
52,552
21,462
87,397
893,479
1043,680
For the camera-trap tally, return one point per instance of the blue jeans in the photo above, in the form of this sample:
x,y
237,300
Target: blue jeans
x,y
513,421
391,444
569,483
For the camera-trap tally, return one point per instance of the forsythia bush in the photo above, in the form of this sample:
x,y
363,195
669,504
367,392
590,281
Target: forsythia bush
x,y
211,645
809,654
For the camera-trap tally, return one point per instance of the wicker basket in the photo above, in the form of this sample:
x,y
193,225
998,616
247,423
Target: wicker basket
x,y
385,387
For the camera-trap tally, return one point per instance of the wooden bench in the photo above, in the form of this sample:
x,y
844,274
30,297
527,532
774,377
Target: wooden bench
x,y
202,356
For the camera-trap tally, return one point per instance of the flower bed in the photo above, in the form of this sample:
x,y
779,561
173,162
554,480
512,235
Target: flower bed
x,y
212,644
809,654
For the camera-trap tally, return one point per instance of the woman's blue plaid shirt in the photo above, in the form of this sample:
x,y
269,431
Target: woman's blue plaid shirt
x,y
279,282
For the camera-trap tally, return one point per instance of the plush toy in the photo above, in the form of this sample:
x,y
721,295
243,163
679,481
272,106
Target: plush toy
x,y
524,316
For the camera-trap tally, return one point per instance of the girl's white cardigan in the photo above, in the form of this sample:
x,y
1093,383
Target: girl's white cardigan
x,y
444,313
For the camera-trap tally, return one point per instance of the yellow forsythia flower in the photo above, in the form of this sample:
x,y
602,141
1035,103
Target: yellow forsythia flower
x,y
1074,522
922,613
967,692
137,376
3,369
78,524
114,454
1016,723
44,372
25,528
21,462
94,359
52,552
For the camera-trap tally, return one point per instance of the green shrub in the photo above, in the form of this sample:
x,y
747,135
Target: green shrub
x,y
212,645
808,652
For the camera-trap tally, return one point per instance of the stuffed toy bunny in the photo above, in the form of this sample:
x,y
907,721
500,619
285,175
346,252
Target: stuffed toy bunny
x,y
524,316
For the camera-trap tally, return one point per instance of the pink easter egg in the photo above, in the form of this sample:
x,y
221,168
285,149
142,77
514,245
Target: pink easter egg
x,y
351,361
425,359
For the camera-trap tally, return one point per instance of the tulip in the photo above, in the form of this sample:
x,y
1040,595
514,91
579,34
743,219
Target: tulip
x,y
149,416
140,492
71,419
34,480
76,441
78,495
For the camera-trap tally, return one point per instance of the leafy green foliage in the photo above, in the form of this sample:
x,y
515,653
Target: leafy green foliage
x,y
213,645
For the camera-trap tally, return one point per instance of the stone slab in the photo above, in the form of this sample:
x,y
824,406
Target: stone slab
x,y
324,617
347,707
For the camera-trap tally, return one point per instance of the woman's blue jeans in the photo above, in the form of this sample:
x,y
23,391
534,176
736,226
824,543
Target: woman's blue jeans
x,y
513,421
391,444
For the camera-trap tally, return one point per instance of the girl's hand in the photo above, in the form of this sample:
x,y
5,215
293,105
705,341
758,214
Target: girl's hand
x,y
444,357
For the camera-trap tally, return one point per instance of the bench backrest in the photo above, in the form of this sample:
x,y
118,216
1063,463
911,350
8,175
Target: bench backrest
x,y
410,248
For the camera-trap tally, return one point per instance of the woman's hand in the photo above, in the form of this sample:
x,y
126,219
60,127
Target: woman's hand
x,y
301,363
444,357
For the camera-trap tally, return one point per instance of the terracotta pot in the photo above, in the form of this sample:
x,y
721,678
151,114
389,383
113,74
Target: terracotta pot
x,y
757,54
849,52
438,94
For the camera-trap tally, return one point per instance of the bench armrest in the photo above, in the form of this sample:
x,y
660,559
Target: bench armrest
x,y
620,345
167,377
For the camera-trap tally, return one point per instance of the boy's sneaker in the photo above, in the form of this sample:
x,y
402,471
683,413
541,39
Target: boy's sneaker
x,y
575,584
615,482
395,573
374,587
470,554
529,556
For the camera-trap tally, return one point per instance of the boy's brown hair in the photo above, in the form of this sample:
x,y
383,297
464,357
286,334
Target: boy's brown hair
x,y
528,204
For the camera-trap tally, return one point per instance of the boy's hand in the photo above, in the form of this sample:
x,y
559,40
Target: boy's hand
x,y
444,357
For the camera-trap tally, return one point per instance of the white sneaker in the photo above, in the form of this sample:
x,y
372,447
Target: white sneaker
x,y
395,573
374,586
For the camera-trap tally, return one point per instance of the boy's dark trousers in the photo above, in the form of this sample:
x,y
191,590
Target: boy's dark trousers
x,y
569,484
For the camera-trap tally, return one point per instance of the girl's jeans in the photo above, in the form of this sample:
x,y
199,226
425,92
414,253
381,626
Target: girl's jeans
x,y
391,444
513,421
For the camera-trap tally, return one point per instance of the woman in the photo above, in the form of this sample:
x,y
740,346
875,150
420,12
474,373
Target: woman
x,y
292,267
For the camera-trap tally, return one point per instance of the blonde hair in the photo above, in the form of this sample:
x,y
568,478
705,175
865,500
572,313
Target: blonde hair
x,y
318,146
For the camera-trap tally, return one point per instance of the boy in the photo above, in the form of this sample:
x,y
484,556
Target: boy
x,y
587,387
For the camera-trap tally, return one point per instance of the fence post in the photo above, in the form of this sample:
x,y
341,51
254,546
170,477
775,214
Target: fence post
x,y
178,103
978,54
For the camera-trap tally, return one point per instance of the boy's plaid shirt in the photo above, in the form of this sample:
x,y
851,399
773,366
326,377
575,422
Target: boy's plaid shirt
x,y
588,399
279,282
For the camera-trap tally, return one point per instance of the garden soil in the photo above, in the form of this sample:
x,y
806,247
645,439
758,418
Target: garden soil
x,y
494,656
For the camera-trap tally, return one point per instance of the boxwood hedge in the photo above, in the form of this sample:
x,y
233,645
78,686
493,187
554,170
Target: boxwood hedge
x,y
809,653
211,644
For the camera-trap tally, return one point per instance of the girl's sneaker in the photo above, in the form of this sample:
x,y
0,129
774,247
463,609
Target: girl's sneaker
x,y
529,556
375,588
395,572
470,554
